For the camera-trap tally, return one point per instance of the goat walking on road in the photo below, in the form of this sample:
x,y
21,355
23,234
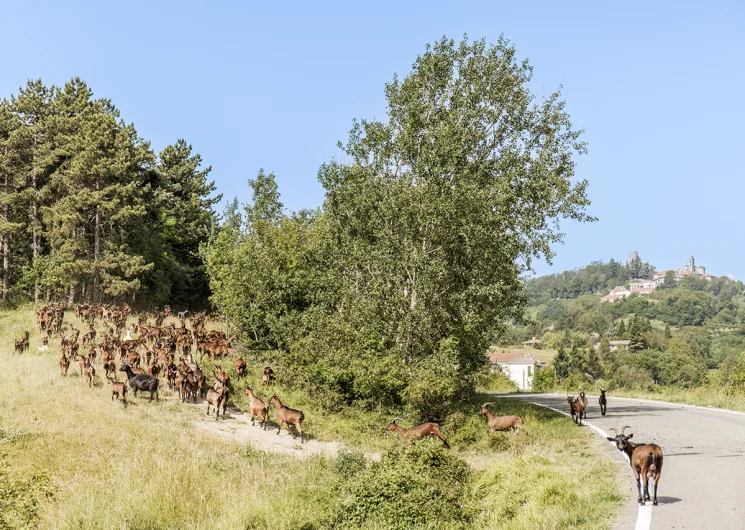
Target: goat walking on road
x,y
645,459
603,401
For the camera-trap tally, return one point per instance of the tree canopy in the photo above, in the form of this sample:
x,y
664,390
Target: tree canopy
x,y
393,290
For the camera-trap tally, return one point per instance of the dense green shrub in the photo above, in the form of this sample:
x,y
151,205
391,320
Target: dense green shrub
x,y
422,486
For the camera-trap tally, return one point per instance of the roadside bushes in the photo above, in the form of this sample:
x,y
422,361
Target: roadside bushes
x,y
422,486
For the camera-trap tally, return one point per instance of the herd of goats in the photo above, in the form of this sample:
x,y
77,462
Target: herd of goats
x,y
153,353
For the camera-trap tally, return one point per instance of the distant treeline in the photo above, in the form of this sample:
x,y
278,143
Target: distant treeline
x,y
89,213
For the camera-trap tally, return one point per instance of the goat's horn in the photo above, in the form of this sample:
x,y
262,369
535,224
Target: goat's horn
x,y
623,431
396,419
485,404
614,430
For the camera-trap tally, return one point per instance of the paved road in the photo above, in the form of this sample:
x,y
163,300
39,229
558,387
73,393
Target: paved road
x,y
703,478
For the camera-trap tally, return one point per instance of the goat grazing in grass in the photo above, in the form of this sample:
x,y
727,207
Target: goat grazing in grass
x,y
141,382
288,416
215,396
500,423
645,460
258,407
603,401
420,431
117,389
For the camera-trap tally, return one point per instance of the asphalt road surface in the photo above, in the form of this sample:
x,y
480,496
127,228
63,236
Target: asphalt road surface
x,y
702,485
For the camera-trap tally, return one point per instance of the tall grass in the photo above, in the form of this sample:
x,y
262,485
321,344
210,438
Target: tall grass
x,y
70,457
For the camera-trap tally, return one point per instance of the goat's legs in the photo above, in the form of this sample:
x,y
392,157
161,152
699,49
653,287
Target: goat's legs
x,y
280,426
639,486
656,482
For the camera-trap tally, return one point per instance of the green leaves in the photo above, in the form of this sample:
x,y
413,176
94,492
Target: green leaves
x,y
414,264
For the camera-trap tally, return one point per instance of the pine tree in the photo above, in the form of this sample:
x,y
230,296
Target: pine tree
x,y
621,333
186,218
668,334
636,335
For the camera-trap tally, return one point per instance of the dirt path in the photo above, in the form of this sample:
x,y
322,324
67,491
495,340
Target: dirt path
x,y
237,427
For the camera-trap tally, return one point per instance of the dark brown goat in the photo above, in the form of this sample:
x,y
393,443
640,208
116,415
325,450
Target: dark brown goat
x,y
500,423
645,460
288,416
420,431
603,402
240,368
268,376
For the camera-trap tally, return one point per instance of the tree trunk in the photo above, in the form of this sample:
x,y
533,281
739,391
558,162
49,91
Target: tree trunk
x,y
96,255
6,266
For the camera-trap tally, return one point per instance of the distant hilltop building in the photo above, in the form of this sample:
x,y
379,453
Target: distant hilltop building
x,y
689,269
647,286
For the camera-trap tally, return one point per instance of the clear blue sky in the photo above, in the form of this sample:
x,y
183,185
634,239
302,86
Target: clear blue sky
x,y
658,87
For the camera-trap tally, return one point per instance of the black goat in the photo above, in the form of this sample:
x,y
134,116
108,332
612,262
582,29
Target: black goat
x,y
144,382
603,401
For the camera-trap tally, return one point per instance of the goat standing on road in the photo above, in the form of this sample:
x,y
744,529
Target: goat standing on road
x,y
603,401
575,409
645,460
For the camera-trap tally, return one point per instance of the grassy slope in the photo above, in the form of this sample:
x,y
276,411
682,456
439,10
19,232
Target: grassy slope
x,y
70,457
545,354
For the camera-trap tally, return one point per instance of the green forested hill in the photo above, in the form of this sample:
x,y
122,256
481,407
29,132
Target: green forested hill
x,y
684,334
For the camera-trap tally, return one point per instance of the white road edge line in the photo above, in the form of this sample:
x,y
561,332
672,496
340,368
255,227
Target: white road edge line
x,y
644,515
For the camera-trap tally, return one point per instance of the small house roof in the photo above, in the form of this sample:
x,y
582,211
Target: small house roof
x,y
521,360
496,358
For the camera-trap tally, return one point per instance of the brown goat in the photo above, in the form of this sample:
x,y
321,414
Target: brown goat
x,y
645,460
575,409
240,368
420,431
268,376
117,389
288,416
500,423
603,402
90,372
215,396
258,407
64,364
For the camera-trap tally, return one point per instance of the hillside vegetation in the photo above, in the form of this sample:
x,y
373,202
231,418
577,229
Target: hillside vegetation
x,y
72,457
684,336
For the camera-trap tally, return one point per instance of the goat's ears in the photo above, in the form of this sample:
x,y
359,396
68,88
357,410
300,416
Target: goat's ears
x,y
630,436
610,439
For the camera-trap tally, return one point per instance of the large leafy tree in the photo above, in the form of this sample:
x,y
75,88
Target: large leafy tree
x,y
417,257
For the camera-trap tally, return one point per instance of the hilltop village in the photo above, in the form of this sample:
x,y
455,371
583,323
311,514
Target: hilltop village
x,y
648,285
